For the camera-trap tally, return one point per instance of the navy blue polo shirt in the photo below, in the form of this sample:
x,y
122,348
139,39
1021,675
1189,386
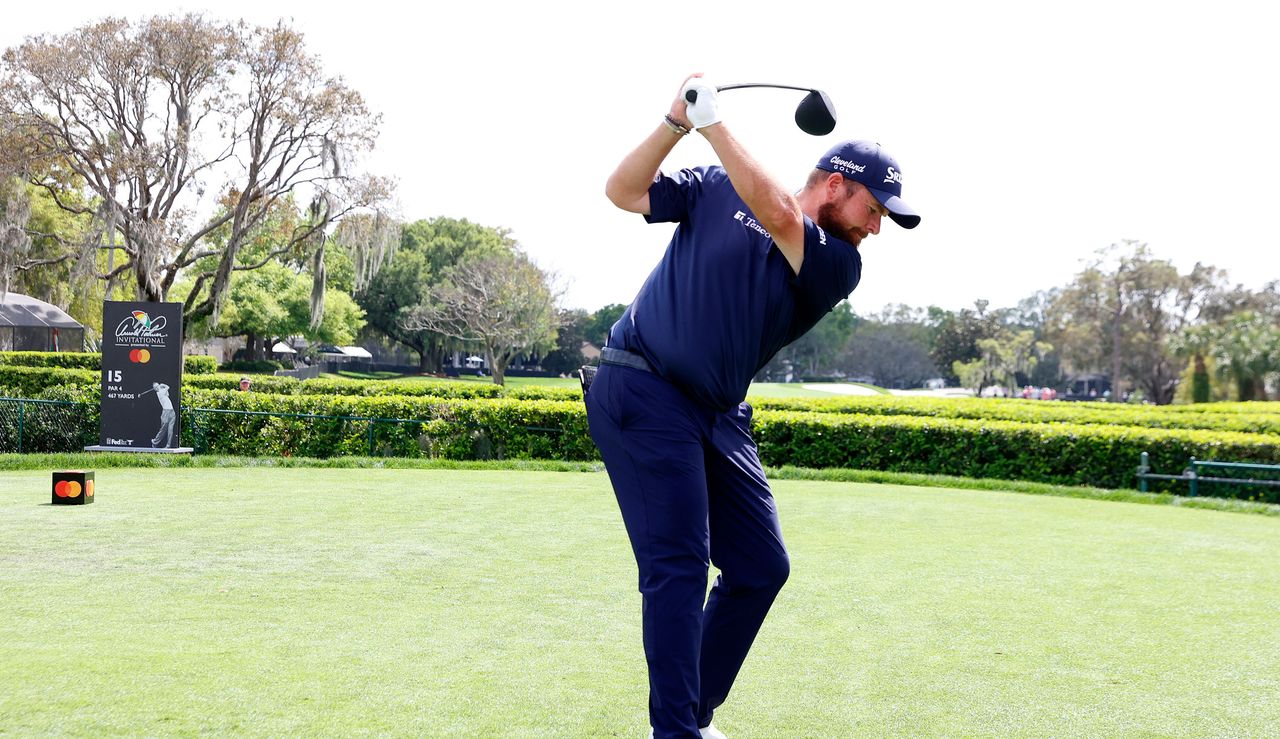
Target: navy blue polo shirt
x,y
724,300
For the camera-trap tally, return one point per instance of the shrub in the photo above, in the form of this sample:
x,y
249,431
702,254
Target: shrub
x,y
402,426
1070,454
29,382
1032,411
192,364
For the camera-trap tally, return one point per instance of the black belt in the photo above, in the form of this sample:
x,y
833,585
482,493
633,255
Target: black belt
x,y
610,355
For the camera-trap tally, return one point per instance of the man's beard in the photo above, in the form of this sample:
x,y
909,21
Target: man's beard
x,y
827,220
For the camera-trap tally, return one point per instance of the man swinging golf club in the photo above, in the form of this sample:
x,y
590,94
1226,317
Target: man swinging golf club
x,y
750,268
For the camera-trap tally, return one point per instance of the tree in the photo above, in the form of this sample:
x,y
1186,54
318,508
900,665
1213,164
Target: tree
x,y
273,303
156,122
15,242
1012,353
956,336
890,355
1237,323
602,321
1246,349
427,250
567,357
500,301
1123,312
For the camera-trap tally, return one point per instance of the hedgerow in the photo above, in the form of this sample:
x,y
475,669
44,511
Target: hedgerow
x,y
452,428
1244,419
192,364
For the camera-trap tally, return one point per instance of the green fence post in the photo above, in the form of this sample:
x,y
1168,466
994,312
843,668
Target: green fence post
x,y
1143,468
1191,472
21,407
371,422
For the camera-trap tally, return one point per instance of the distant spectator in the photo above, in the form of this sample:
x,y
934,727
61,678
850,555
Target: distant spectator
x,y
245,382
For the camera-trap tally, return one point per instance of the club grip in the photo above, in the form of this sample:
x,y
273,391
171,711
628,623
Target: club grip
x,y
691,96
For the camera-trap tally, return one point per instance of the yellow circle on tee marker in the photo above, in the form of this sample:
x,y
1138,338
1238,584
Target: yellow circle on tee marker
x,y
73,489
88,488
144,355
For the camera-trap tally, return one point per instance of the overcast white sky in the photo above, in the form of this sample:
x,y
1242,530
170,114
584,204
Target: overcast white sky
x,y
1030,134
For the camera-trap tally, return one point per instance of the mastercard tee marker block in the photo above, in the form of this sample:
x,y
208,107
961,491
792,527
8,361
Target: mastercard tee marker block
x,y
72,487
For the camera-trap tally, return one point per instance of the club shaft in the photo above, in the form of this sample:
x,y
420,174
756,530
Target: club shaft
x,y
763,84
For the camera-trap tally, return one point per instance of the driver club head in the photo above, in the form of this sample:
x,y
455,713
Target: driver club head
x,y
815,115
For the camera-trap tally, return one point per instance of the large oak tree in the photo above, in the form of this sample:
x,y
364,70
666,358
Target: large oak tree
x,y
174,127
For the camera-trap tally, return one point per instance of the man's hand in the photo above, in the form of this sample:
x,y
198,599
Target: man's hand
x,y
704,109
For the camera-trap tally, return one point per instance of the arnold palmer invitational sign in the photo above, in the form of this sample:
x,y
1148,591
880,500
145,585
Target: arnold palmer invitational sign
x,y
141,377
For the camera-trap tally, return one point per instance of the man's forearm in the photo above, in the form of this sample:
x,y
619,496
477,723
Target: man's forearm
x,y
628,186
776,209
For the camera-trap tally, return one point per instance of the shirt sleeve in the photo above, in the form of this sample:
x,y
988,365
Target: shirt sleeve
x,y
672,196
830,271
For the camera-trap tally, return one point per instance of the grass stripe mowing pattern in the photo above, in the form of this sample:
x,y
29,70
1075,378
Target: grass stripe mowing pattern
x,y
483,603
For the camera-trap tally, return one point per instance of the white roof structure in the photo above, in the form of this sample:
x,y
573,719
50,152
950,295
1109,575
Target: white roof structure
x,y
347,352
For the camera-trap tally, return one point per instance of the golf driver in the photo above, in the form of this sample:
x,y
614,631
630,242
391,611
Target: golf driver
x,y
815,115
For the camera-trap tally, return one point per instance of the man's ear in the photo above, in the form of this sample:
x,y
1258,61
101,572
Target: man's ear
x,y
835,185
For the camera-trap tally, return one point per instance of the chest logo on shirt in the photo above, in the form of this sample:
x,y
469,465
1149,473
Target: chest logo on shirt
x,y
751,223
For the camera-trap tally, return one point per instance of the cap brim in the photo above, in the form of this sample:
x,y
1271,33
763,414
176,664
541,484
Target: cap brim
x,y
899,211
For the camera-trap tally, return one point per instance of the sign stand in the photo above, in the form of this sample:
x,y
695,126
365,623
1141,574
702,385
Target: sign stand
x,y
141,378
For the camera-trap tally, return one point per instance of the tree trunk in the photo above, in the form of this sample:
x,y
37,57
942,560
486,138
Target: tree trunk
x,y
1116,395
497,366
251,346
1200,392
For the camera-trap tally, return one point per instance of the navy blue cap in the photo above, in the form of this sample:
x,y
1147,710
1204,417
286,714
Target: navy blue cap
x,y
867,163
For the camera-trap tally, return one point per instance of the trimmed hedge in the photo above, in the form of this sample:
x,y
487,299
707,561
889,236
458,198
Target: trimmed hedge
x,y
368,388
508,428
29,382
406,426
192,364
1033,411
1068,454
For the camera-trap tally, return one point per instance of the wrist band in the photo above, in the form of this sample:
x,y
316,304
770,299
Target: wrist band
x,y
676,127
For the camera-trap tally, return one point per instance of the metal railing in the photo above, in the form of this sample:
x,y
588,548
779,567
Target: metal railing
x,y
32,425
1251,475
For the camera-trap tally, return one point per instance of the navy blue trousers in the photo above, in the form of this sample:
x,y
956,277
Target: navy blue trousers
x,y
692,492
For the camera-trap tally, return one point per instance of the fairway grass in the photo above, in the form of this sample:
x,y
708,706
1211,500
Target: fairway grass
x,y
326,602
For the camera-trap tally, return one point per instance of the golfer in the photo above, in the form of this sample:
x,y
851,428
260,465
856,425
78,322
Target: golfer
x,y
750,269
164,437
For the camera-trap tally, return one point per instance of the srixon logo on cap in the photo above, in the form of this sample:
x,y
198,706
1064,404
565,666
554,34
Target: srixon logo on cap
x,y
893,176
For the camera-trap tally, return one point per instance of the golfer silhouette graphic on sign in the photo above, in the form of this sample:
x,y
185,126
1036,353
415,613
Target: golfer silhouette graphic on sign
x,y
167,417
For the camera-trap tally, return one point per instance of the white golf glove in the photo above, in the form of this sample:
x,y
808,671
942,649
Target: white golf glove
x,y
705,111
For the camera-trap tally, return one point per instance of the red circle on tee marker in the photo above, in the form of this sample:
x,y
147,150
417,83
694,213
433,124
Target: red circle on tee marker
x,y
60,489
